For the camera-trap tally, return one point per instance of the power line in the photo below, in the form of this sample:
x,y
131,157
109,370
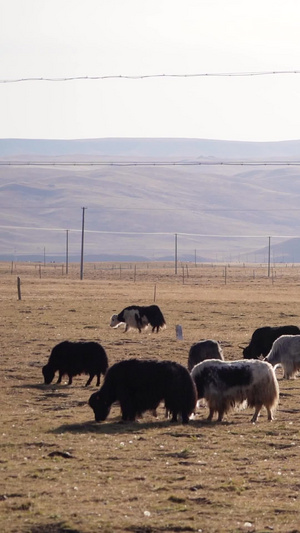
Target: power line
x,y
147,76
103,232
164,209
185,163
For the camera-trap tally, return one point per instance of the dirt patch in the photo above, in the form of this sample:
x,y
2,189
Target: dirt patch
x,y
62,472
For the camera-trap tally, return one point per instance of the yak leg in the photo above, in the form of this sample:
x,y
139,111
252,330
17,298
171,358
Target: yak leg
x,y
174,416
90,380
256,413
220,417
211,414
185,417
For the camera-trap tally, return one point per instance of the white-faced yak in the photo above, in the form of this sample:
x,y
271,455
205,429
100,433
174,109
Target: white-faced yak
x,y
225,384
139,317
286,353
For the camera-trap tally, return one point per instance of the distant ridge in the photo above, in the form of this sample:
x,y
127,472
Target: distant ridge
x,y
148,147
220,213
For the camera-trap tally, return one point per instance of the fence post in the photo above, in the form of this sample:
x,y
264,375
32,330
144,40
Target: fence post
x,y
19,288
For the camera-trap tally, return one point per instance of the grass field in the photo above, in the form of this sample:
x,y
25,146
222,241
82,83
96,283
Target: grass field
x,y
62,472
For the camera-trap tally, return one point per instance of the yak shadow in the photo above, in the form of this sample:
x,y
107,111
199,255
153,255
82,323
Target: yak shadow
x,y
113,427
117,426
52,387
42,386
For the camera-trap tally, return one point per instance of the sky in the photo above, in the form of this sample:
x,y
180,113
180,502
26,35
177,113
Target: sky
x,y
98,38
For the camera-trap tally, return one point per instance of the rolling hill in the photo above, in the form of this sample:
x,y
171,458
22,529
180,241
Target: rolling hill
x,y
220,212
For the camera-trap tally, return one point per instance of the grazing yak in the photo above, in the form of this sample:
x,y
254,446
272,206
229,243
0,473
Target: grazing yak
x,y
225,384
139,317
140,385
263,338
74,358
207,349
286,352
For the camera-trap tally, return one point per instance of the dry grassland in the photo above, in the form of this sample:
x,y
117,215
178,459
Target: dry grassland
x,y
62,472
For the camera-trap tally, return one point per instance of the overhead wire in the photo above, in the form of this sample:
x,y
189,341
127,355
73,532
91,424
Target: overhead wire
x,y
185,163
148,76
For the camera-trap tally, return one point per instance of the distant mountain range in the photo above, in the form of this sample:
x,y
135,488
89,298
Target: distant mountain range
x,y
144,147
136,206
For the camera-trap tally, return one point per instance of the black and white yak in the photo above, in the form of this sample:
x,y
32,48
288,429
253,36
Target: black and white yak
x,y
140,385
202,350
286,353
263,338
75,358
225,384
139,317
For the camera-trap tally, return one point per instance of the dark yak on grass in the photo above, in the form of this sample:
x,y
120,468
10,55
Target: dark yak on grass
x,y
263,338
75,358
140,385
206,349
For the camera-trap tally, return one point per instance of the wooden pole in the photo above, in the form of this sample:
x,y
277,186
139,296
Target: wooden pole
x,y
82,243
19,288
67,252
269,257
175,253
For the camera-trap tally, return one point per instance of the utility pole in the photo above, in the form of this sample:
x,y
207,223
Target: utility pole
x,y
175,253
67,252
82,243
269,258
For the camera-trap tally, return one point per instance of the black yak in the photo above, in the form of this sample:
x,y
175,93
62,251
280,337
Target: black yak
x,y
74,358
140,385
263,338
207,349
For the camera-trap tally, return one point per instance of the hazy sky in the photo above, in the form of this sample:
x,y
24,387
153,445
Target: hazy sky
x,y
69,38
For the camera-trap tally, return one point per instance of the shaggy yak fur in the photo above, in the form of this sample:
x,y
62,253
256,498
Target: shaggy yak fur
x,y
140,385
74,358
263,338
286,352
139,317
202,350
225,384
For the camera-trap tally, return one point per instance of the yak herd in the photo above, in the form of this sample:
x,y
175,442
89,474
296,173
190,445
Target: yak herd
x,y
141,385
